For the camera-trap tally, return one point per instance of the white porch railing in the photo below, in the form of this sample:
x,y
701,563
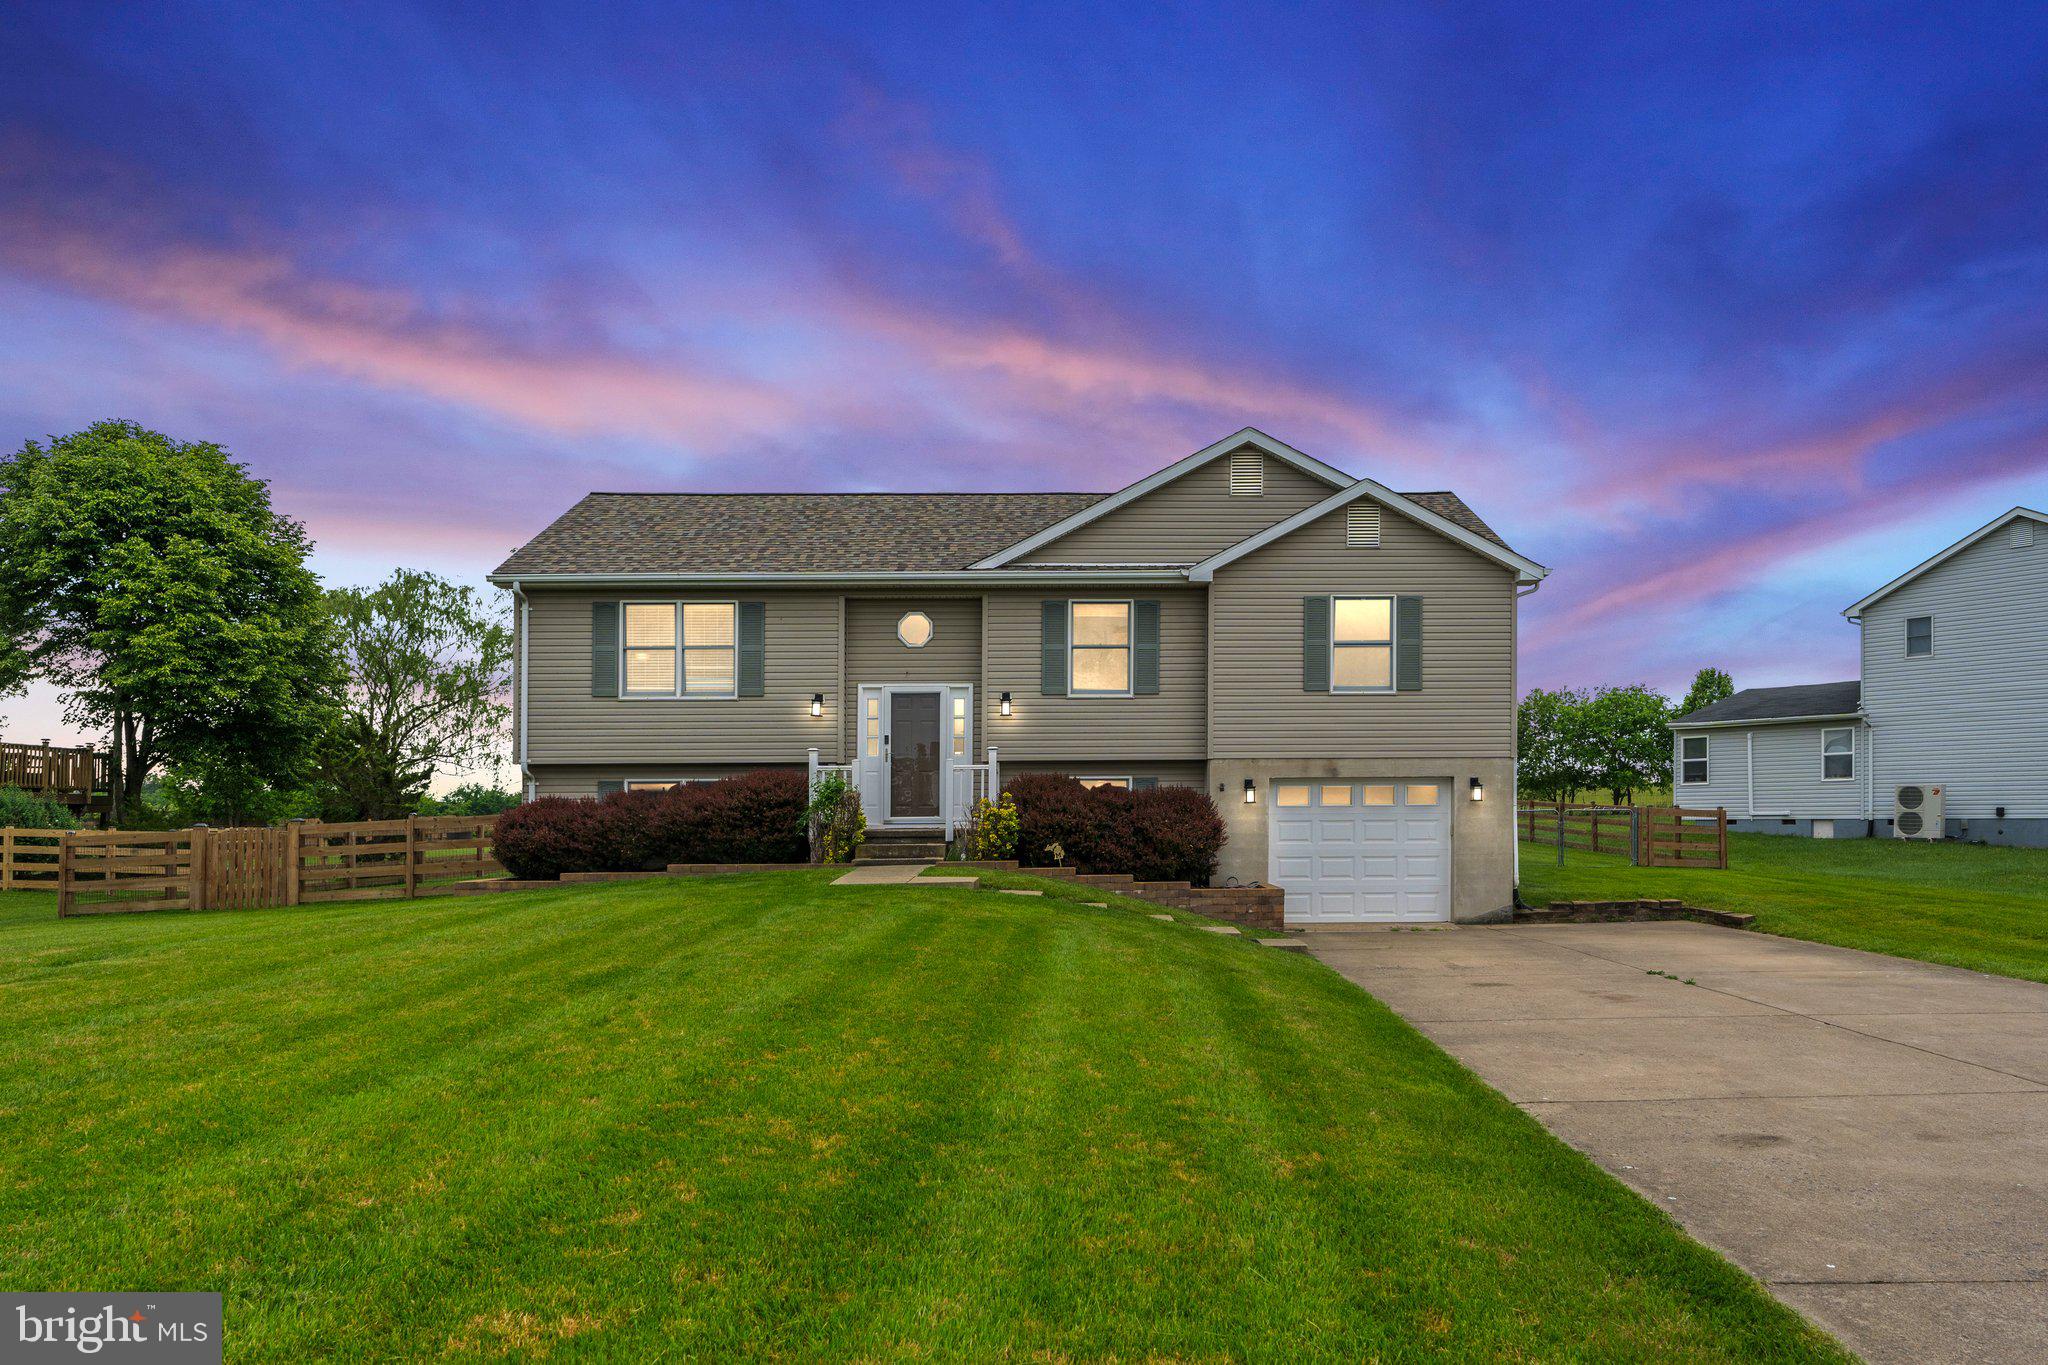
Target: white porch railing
x,y
816,772
973,782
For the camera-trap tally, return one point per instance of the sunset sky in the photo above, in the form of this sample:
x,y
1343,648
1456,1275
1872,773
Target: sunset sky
x,y
1728,314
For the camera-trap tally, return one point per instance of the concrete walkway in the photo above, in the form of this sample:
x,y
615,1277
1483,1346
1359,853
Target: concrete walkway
x,y
1866,1135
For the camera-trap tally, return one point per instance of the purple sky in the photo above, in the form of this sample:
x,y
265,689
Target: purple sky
x,y
1728,314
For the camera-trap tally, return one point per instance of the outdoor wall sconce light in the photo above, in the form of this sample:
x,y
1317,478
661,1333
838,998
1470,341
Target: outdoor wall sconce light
x,y
1478,792
1251,792
817,705
1004,708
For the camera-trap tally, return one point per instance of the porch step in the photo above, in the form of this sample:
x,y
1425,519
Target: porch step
x,y
900,851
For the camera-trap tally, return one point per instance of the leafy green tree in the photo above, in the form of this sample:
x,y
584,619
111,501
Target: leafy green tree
x,y
152,582
1553,760
1627,739
1709,685
428,665
471,798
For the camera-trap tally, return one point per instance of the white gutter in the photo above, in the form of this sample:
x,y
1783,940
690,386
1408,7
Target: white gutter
x,y
928,579
1763,720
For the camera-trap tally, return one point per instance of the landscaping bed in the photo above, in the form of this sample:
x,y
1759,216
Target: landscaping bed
x,y
762,1115
1965,905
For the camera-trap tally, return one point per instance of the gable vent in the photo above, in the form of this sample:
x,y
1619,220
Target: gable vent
x,y
2022,534
1362,524
1247,474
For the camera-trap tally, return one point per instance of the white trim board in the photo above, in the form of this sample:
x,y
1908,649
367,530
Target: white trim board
x,y
1855,609
1527,570
1250,436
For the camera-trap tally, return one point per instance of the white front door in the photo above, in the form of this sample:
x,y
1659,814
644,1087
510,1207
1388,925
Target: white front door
x,y
911,739
1350,851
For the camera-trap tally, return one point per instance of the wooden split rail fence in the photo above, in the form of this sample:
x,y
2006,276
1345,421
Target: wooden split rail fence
x,y
1650,836
302,863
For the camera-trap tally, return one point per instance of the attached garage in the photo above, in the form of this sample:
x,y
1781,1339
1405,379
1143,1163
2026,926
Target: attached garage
x,y
1361,852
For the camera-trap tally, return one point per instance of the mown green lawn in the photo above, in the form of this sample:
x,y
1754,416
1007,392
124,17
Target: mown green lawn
x,y
1963,904
762,1116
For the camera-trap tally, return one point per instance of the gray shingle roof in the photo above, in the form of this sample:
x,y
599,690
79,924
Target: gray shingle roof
x,y
652,533
1452,508
1780,703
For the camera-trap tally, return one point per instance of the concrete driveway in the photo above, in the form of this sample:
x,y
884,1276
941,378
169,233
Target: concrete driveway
x,y
1866,1135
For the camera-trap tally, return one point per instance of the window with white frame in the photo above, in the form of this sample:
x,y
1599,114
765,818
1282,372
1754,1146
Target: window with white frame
x,y
661,784
1100,649
1838,754
680,649
1692,760
1091,783
1361,644
1919,636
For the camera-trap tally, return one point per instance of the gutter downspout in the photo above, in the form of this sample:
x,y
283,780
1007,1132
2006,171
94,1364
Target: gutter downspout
x,y
1515,768
525,609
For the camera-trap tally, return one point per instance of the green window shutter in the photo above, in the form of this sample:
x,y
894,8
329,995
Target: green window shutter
x,y
604,649
1052,648
1315,644
753,633
605,789
1407,644
1143,784
1145,649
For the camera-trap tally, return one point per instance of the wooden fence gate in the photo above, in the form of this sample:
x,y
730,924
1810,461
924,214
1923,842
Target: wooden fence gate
x,y
1676,837
242,869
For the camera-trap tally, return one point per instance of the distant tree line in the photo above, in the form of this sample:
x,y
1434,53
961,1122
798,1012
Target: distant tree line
x,y
1573,741
152,581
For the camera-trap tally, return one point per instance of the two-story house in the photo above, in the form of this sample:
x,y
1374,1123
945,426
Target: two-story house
x,y
1953,701
1334,662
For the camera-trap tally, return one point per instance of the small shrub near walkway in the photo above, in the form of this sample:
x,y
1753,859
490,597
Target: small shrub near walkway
x,y
1965,905
1163,834
757,817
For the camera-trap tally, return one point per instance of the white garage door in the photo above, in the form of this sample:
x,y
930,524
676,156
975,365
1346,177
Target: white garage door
x,y
1361,851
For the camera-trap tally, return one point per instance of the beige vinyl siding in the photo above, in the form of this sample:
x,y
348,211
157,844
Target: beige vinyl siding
x,y
582,779
1466,707
568,725
1185,774
1186,520
875,655
1065,730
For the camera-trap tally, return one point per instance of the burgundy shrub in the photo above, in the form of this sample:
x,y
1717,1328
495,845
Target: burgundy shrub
x,y
757,817
1160,834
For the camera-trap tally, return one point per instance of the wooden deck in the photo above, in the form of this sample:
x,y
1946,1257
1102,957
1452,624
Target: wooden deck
x,y
72,777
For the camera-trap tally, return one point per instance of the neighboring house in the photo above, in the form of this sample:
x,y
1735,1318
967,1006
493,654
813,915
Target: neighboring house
x,y
1334,662
1954,695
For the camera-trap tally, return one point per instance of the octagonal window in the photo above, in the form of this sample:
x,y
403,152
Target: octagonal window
x,y
915,629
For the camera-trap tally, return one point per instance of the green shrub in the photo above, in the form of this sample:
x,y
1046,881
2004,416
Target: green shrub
x,y
992,830
26,810
835,810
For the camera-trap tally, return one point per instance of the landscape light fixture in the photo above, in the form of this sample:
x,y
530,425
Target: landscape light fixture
x,y
817,705
1005,709
1251,792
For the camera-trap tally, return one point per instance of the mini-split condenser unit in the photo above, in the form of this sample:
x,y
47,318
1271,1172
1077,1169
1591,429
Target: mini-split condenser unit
x,y
1917,813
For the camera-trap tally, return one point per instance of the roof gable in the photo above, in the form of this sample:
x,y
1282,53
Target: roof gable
x,y
1250,437
1433,510
1855,609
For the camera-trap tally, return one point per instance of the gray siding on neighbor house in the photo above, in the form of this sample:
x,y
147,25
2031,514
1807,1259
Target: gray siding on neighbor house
x,y
1787,766
568,725
875,655
1093,730
1973,715
1466,706
1186,520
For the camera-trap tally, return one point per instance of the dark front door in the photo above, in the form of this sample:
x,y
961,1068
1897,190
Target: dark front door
x,y
913,755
